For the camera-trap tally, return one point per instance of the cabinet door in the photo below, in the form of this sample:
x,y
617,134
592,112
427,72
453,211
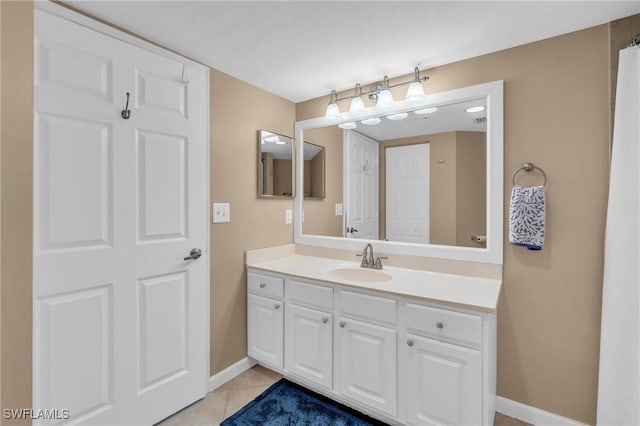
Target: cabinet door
x,y
265,329
367,362
443,383
308,344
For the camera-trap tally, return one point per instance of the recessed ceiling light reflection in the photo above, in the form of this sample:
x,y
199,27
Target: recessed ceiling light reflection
x,y
475,109
426,111
348,126
371,121
399,116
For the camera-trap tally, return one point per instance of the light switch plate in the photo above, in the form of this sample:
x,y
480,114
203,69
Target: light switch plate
x,y
288,216
338,209
221,212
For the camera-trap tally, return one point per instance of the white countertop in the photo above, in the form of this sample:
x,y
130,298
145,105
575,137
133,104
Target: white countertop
x,y
479,294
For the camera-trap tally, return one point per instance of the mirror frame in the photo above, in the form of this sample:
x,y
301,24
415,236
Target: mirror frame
x,y
493,252
293,166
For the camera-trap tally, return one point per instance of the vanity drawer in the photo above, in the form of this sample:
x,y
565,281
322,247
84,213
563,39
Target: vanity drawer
x,y
312,295
367,307
441,324
265,285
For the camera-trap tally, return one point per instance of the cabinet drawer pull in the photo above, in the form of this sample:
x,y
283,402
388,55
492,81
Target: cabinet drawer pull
x,y
276,306
262,285
439,324
325,320
342,324
409,343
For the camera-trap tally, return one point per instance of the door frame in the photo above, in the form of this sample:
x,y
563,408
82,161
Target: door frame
x,y
86,21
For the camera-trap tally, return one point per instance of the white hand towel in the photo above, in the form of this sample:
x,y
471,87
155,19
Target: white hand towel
x,y
527,217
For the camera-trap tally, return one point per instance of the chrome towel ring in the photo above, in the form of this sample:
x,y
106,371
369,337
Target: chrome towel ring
x,y
527,167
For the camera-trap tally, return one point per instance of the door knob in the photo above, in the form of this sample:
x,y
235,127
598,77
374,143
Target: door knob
x,y
342,324
325,320
409,342
439,324
195,254
352,230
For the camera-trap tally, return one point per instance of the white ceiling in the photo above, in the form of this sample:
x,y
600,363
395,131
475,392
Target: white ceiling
x,y
304,49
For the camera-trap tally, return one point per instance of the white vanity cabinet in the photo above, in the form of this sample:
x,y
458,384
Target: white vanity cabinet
x,y
309,332
366,348
404,360
265,319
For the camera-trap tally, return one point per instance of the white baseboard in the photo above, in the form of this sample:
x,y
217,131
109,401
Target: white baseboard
x,y
230,373
532,415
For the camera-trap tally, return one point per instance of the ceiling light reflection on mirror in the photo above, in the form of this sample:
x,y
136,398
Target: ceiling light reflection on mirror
x,y
479,108
371,121
425,111
399,116
348,126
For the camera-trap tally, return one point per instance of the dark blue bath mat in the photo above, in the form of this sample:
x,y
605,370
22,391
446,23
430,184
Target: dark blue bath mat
x,y
288,404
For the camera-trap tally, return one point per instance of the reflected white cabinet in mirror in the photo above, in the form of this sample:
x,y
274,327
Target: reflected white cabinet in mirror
x,y
422,178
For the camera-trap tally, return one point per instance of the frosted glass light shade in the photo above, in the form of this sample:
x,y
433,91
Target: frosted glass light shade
x,y
348,126
357,106
385,99
371,121
333,112
415,92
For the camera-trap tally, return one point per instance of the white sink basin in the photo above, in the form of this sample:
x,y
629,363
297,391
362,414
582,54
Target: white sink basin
x,y
361,274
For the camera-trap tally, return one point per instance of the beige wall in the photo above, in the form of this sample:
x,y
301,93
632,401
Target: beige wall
x,y
471,187
319,214
16,203
549,313
255,223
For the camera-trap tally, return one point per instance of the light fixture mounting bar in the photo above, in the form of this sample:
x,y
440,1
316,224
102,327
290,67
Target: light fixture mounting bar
x,y
376,88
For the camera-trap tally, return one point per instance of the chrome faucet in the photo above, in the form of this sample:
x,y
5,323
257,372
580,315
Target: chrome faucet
x,y
368,260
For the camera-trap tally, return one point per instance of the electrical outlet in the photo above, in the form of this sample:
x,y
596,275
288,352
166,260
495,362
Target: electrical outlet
x,y
288,216
221,212
338,209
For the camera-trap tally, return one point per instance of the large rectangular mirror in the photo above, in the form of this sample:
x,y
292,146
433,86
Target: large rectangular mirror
x,y
423,178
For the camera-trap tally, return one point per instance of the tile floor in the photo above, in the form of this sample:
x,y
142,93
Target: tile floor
x,y
230,397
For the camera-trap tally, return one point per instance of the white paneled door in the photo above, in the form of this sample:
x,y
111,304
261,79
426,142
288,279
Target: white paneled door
x,y
407,193
121,318
361,186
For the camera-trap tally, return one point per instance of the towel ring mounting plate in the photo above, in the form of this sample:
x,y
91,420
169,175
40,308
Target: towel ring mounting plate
x,y
527,167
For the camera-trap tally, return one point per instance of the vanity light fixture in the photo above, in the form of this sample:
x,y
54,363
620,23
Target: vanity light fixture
x,y
475,109
357,104
333,112
348,126
379,93
426,111
371,121
415,91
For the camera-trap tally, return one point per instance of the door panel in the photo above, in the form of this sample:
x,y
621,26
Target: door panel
x,y
118,205
79,352
443,383
73,69
162,328
309,347
366,352
162,186
265,330
407,193
76,197
161,94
